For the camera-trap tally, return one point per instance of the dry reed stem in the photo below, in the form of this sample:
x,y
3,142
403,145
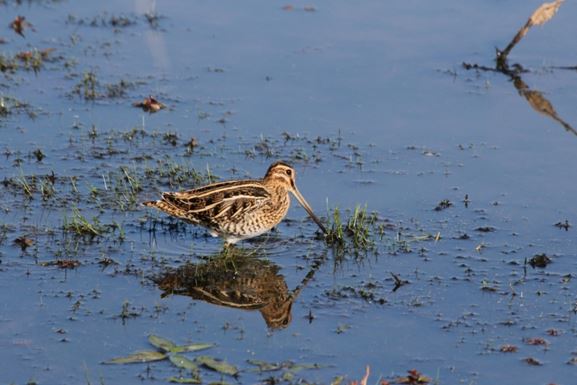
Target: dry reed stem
x,y
541,15
545,12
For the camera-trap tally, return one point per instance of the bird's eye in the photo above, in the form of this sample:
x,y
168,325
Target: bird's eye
x,y
289,172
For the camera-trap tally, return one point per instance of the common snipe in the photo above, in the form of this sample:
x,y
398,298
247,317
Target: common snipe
x,y
237,210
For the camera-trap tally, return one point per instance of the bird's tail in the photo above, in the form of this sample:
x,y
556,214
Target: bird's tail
x,y
167,207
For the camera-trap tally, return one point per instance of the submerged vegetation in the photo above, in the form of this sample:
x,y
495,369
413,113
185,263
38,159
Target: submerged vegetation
x,y
33,60
191,369
90,88
11,105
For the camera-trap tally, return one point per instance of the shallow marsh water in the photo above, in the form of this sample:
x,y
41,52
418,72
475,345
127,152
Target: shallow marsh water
x,y
372,105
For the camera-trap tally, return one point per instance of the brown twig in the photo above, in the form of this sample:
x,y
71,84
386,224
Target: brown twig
x,y
398,282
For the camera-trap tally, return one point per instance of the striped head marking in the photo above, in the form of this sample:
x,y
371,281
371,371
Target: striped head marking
x,y
282,172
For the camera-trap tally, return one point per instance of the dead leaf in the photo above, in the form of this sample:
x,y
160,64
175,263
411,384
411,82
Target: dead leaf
x,y
67,263
536,341
508,348
532,361
24,56
45,52
107,261
414,378
545,12
19,24
150,104
23,242
553,332
62,263
442,205
539,260
563,225
191,144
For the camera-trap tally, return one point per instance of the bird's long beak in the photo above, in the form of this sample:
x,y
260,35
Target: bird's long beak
x,y
307,207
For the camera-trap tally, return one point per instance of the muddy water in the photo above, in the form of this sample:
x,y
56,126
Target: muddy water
x,y
372,105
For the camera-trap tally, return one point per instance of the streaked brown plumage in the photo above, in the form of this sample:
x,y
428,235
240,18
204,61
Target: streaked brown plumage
x,y
237,210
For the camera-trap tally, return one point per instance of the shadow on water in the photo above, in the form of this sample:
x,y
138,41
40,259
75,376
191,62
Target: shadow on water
x,y
535,98
237,278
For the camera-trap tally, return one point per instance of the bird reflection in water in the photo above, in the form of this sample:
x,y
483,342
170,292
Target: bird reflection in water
x,y
239,281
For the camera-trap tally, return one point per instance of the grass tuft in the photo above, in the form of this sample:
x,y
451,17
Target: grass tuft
x,y
359,228
357,235
81,226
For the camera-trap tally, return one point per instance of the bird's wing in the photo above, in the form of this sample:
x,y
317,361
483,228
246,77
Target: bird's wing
x,y
230,199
